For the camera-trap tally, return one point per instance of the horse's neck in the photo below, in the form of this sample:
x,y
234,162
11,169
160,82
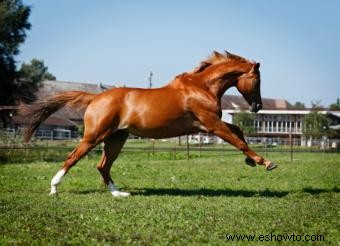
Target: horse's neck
x,y
190,81
218,80
220,87
210,80
215,86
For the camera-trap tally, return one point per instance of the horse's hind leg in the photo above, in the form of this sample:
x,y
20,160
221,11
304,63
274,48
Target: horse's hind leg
x,y
112,147
82,149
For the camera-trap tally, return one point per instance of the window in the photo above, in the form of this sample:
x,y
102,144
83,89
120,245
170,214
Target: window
x,y
257,125
292,126
274,126
279,124
287,126
298,127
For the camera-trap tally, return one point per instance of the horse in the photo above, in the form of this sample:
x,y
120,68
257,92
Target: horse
x,y
189,104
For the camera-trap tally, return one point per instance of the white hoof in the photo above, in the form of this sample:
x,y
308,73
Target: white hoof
x,y
117,193
53,190
55,181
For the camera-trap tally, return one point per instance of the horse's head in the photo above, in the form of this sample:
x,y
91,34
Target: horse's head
x,y
248,84
222,71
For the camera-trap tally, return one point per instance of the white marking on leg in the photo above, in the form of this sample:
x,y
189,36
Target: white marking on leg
x,y
56,180
115,192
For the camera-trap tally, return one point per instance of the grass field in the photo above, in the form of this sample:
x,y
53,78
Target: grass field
x,y
174,202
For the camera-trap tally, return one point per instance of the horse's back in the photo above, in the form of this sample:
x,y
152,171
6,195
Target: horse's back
x,y
145,112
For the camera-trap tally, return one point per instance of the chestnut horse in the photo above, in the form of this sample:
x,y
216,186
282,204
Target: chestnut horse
x,y
189,104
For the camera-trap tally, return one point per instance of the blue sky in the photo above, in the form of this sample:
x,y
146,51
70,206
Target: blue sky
x,y
120,42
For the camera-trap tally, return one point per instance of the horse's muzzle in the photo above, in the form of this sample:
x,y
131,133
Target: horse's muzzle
x,y
255,107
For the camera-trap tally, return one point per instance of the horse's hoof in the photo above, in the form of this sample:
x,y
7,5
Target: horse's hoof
x,y
271,166
117,193
53,193
53,190
250,162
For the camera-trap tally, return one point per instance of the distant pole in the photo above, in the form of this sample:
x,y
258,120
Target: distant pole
x,y
291,143
150,79
291,146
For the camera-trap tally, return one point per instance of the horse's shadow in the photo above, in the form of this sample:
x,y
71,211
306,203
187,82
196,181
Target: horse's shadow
x,y
317,191
212,192
207,192
225,192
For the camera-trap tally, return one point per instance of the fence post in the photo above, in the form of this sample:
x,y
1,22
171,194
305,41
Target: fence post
x,y
174,153
291,145
188,152
200,145
148,148
265,147
41,155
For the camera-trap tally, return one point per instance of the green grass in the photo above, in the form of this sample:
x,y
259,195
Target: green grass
x,y
173,202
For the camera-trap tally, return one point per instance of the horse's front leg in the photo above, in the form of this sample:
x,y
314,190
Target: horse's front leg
x,y
252,156
233,135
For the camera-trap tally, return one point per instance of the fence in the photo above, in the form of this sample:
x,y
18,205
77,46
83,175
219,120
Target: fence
x,y
153,150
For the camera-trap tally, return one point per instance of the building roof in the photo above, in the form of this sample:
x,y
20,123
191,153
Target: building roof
x,y
238,102
50,87
335,113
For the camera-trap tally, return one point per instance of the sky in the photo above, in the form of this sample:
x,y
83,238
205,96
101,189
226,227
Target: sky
x,y
119,42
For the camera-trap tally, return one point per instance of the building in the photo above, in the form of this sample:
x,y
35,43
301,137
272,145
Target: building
x,y
277,121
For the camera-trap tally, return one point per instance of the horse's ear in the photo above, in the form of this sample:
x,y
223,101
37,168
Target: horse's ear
x,y
229,55
201,67
232,56
255,67
217,54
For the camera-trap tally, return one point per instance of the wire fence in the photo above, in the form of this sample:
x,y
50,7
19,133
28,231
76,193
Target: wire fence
x,y
156,150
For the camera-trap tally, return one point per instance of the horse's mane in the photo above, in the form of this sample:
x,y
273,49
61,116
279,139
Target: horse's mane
x,y
216,58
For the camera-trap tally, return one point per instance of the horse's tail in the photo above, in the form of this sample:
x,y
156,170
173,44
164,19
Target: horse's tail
x,y
41,110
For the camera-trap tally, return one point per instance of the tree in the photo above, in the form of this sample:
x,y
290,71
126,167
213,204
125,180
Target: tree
x,y
31,76
299,105
316,125
335,106
13,26
36,71
245,121
316,105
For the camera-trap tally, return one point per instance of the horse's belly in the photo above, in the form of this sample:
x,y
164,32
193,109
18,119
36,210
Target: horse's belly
x,y
172,129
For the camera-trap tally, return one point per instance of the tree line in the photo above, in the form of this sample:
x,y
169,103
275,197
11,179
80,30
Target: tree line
x,y
17,85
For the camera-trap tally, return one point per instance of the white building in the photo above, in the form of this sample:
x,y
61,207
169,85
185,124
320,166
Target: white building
x,y
277,120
